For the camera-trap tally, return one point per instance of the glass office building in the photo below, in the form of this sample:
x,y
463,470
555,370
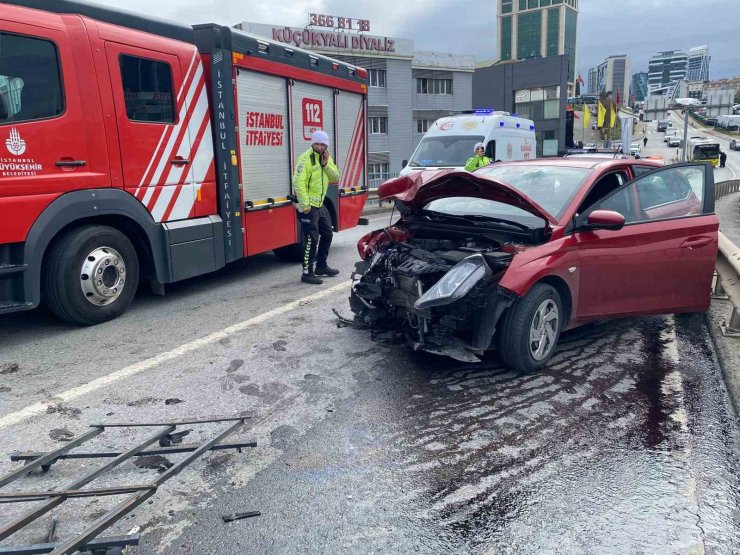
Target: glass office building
x,y
530,29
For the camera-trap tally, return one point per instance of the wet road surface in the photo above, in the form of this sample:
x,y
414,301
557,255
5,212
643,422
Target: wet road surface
x,y
626,443
608,451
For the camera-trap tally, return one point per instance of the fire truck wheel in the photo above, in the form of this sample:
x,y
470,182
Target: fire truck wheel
x,y
91,275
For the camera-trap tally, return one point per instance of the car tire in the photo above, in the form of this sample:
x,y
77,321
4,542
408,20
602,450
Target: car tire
x,y
74,259
522,321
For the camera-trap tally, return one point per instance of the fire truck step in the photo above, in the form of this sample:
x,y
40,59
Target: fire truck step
x,y
10,269
7,307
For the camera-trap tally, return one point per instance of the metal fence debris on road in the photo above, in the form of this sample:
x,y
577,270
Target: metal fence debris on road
x,y
166,436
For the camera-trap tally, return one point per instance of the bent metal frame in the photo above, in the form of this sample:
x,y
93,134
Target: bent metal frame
x,y
169,441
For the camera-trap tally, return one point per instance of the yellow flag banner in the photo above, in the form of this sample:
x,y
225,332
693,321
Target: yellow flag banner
x,y
613,117
586,117
601,116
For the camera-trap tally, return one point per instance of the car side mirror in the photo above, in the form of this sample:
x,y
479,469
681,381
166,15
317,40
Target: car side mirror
x,y
605,219
404,164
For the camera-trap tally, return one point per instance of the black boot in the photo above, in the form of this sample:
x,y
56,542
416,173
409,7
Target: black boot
x,y
326,271
313,279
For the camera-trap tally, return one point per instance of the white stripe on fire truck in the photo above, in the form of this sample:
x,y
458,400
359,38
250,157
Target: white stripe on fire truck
x,y
176,136
182,203
186,148
355,151
164,133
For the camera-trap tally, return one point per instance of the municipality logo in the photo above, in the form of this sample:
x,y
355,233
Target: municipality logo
x,y
16,145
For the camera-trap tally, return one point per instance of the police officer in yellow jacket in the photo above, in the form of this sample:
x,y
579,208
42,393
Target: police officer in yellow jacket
x,y
314,171
479,159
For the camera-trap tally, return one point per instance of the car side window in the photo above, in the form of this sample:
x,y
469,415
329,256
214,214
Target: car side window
x,y
147,90
603,187
669,193
639,170
30,79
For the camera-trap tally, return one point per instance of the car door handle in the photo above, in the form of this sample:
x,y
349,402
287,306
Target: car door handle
x,y
70,163
180,161
696,242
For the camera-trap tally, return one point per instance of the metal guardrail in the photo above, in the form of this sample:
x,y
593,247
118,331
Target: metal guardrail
x,y
724,188
727,285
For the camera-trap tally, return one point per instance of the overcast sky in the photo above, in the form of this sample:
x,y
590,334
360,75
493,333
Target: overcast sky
x,y
638,28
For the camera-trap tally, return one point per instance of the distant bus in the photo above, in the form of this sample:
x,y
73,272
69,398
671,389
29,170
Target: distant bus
x,y
702,149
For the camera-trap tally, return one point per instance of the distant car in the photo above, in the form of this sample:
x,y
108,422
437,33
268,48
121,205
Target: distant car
x,y
674,140
663,125
511,255
711,122
735,144
635,150
670,133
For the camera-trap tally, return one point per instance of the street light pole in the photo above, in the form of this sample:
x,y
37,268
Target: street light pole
x,y
685,133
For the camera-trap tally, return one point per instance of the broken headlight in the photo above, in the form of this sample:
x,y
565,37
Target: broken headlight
x,y
456,283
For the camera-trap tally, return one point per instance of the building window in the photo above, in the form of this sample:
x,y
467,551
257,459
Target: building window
x,y
30,83
538,104
522,5
147,90
505,38
378,125
378,171
423,125
506,7
553,31
529,35
377,78
425,85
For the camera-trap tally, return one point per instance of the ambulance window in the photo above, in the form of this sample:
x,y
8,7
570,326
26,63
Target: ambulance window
x,y
147,90
30,80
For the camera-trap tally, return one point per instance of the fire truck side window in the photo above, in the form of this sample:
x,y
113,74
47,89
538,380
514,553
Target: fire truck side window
x,y
147,88
30,80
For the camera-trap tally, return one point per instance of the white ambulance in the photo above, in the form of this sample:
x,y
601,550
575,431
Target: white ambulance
x,y
450,141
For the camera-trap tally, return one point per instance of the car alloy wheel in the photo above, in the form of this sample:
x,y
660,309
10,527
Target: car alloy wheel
x,y
543,330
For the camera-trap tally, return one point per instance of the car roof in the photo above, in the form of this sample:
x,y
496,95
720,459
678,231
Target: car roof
x,y
590,162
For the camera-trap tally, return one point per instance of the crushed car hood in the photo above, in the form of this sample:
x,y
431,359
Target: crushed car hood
x,y
418,189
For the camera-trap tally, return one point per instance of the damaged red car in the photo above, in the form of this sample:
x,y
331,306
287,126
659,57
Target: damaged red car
x,y
508,257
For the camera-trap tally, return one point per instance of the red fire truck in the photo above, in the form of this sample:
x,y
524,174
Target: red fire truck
x,y
132,148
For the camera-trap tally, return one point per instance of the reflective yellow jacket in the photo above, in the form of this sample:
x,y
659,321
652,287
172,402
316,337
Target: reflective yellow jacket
x,y
476,162
311,181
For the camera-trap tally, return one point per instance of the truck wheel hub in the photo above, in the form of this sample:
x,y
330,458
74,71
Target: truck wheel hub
x,y
103,276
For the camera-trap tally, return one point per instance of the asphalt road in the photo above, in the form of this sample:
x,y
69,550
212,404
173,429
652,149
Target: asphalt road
x,y
627,443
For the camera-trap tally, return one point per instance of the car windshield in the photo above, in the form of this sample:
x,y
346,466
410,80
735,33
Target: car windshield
x,y
444,151
553,188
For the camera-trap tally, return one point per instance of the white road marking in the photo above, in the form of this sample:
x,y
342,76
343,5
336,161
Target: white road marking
x,y
84,389
672,385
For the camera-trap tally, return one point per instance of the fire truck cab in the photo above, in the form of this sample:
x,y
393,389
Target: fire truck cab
x,y
133,148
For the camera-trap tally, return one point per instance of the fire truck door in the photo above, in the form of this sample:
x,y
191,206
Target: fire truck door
x,y
155,95
39,105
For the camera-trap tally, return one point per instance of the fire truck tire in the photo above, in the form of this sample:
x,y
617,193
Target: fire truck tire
x,y
91,275
290,253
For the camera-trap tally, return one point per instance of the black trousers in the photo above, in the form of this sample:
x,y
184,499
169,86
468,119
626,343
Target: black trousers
x,y
317,235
